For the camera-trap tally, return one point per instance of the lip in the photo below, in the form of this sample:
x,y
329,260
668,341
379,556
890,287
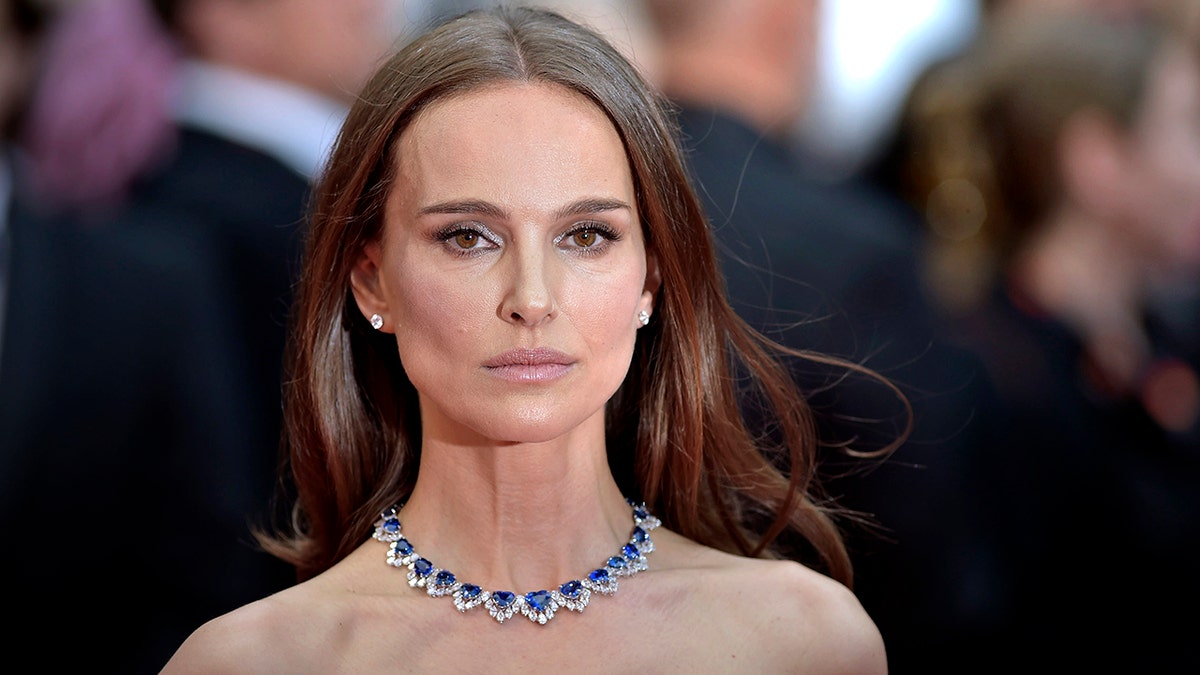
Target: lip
x,y
529,365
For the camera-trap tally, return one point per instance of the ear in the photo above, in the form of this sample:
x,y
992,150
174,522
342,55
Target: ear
x,y
1091,159
653,282
367,286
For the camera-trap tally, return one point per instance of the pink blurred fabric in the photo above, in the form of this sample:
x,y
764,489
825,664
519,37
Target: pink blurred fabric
x,y
101,113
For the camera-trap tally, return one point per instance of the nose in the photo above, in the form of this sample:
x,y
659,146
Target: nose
x,y
529,298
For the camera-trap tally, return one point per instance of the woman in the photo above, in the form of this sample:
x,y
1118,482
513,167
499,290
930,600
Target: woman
x,y
1062,161
510,322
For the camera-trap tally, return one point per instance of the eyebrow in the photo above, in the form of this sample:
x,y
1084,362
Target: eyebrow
x,y
585,206
464,207
480,207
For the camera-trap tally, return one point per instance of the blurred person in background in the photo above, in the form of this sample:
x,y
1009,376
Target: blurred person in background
x,y
1059,165
833,267
224,118
163,183
118,430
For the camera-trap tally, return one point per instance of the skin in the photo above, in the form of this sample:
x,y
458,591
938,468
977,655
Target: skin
x,y
330,46
1129,219
514,491
1163,159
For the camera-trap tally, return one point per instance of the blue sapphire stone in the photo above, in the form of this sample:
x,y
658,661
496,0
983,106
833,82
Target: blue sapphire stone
x,y
422,567
444,578
503,598
391,526
538,600
617,563
639,535
571,589
641,514
402,546
470,591
631,552
599,576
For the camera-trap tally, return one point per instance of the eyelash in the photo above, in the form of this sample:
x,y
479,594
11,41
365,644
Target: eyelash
x,y
609,234
449,233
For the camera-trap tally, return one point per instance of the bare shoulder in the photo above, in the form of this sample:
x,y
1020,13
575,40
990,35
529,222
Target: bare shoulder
x,y
804,617
778,616
308,627
258,637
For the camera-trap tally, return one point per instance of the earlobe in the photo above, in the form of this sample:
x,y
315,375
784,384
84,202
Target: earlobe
x,y
653,282
365,283
653,274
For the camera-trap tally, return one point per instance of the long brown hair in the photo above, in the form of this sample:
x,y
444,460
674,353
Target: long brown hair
x,y
676,435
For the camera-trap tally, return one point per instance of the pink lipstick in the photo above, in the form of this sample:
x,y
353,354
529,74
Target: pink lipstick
x,y
529,365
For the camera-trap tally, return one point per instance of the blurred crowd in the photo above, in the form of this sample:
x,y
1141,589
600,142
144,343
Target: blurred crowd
x,y
1017,252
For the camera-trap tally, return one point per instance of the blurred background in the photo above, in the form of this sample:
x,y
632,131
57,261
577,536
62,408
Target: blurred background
x,y
995,204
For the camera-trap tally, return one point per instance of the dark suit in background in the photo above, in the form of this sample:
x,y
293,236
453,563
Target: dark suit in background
x,y
835,268
126,479
250,207
141,373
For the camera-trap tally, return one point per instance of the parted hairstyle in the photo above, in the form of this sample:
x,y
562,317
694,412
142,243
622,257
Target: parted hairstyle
x,y
675,433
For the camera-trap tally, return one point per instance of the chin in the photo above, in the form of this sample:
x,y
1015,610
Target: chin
x,y
532,425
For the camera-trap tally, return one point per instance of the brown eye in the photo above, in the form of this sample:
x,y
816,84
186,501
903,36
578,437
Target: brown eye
x,y
584,238
466,239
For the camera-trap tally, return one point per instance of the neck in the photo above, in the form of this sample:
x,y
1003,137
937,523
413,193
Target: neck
x,y
765,96
519,516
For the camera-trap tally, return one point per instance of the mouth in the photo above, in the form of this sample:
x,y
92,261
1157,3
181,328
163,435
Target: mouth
x,y
529,365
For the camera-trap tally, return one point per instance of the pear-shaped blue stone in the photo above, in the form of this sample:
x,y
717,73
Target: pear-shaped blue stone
x,y
571,589
641,514
599,576
538,600
639,535
422,567
402,547
617,563
444,578
631,551
503,598
470,591
391,525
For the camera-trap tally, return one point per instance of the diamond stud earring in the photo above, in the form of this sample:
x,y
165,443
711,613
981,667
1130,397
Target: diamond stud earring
x,y
644,317
376,321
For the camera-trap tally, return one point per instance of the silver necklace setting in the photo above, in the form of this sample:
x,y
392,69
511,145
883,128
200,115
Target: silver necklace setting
x,y
538,606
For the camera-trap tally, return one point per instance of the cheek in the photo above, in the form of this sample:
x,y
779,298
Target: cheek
x,y
603,311
436,320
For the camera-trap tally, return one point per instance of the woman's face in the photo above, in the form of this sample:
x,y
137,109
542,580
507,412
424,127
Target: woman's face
x,y
1164,164
512,264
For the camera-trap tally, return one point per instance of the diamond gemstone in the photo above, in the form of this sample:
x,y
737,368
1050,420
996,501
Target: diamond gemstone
x,y
539,606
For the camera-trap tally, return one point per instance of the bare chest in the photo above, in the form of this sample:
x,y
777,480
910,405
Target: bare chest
x,y
605,638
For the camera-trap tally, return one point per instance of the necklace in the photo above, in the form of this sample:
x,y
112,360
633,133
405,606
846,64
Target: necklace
x,y
538,606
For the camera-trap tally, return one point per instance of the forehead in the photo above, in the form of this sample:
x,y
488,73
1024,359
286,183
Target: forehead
x,y
512,141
